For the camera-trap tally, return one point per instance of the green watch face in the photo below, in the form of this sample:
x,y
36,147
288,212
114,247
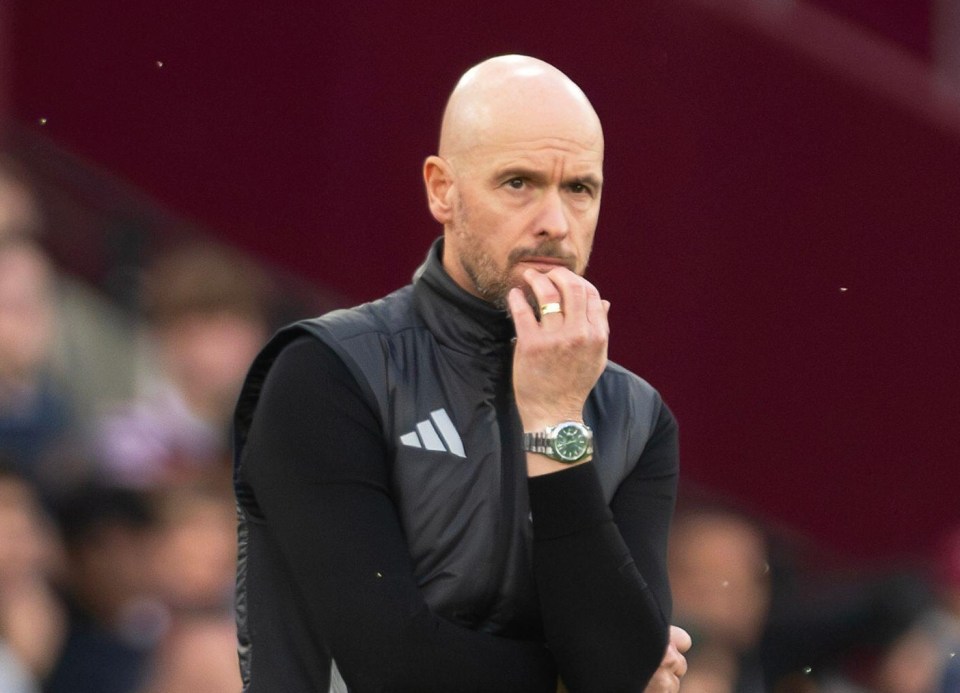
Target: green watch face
x,y
570,443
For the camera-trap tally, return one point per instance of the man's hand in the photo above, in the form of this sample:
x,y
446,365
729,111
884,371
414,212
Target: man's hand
x,y
558,359
674,665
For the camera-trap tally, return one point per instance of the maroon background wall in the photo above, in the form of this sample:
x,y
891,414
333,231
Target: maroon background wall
x,y
780,228
5,59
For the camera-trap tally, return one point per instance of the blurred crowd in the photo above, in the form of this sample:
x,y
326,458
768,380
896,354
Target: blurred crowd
x,y
764,618
117,521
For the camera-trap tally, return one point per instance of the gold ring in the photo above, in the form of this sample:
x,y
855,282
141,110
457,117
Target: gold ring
x,y
548,308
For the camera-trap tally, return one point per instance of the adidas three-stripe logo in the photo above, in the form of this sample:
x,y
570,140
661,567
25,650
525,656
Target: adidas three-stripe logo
x,y
436,433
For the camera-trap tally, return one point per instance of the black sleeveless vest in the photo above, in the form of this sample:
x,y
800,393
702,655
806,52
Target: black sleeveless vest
x,y
435,363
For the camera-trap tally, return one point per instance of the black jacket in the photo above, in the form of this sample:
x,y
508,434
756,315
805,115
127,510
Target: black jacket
x,y
434,364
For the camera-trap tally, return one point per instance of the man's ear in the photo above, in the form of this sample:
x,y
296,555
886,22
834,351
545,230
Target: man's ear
x,y
438,180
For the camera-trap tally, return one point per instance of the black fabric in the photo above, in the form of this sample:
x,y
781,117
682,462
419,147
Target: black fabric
x,y
316,459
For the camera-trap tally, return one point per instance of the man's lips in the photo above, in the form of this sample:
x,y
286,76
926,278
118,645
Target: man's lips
x,y
545,263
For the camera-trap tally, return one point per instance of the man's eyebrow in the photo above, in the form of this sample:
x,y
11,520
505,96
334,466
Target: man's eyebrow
x,y
588,180
510,172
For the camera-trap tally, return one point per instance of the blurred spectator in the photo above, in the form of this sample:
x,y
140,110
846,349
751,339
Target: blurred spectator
x,y
721,585
32,621
195,561
926,659
205,306
64,350
199,655
34,410
711,669
195,568
116,619
19,211
755,630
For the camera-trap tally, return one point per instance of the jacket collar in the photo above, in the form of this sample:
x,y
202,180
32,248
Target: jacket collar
x,y
457,319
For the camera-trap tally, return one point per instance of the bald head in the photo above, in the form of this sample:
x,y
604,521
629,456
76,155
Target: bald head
x,y
518,97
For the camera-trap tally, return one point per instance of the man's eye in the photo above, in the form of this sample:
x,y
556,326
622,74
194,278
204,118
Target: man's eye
x,y
579,188
515,183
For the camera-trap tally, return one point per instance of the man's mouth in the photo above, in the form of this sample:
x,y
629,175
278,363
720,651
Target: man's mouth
x,y
545,264
543,259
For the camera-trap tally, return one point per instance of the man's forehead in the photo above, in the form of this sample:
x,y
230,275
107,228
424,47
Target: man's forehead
x,y
544,153
526,137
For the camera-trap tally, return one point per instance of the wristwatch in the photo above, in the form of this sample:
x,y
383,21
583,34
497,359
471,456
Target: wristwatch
x,y
567,442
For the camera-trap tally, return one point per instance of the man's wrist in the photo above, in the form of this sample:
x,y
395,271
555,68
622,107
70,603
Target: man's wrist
x,y
565,443
537,416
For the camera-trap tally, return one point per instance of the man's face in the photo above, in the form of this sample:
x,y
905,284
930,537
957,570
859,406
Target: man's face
x,y
522,203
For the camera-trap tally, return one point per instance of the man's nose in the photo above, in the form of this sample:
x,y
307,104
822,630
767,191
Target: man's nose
x,y
553,219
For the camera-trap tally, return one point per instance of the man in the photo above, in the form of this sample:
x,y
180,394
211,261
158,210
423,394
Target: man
x,y
420,499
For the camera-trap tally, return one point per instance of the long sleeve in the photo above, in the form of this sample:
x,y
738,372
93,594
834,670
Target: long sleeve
x,y
601,572
316,463
643,506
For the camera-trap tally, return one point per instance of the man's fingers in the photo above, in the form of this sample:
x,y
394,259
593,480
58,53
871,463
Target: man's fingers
x,y
596,310
663,681
680,638
523,318
680,642
675,662
545,290
574,290
579,299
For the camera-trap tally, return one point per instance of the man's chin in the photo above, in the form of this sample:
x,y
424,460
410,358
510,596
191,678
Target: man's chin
x,y
499,298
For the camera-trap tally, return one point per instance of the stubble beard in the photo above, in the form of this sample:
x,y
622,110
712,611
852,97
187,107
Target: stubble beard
x,y
491,282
